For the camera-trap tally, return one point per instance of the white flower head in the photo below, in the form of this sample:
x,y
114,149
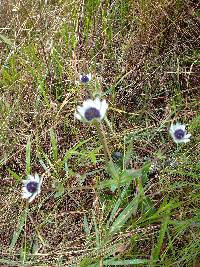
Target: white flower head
x,y
92,110
85,78
31,187
179,134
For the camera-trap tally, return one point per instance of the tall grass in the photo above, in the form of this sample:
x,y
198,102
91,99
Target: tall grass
x,y
142,210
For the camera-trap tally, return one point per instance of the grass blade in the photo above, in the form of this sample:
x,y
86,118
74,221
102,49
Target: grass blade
x,y
28,157
86,225
54,144
116,206
20,227
157,248
123,217
113,262
97,234
5,40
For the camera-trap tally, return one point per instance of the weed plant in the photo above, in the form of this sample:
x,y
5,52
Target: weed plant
x,y
104,182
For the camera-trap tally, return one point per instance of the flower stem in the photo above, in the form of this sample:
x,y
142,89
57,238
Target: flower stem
x,y
103,141
108,158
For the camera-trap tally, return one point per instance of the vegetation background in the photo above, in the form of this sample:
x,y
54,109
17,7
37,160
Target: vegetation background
x,y
145,56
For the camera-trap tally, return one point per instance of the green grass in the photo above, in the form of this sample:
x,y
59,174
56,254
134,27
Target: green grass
x,y
143,210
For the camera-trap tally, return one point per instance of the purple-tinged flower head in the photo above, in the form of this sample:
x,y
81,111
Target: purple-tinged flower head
x,y
92,110
117,156
85,78
179,134
31,187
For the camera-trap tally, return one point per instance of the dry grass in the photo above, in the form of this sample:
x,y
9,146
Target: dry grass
x,y
144,55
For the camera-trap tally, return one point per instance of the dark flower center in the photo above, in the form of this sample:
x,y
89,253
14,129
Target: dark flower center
x,y
32,187
179,134
84,79
92,113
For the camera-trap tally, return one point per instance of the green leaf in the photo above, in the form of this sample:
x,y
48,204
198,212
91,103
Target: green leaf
x,y
157,248
145,172
147,207
86,225
120,179
14,174
73,150
107,92
6,40
123,217
197,13
114,170
54,145
164,209
43,90
116,206
114,262
50,164
97,235
130,174
43,165
21,224
59,189
92,156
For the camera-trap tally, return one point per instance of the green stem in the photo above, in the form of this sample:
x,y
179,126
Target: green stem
x,y
103,141
107,154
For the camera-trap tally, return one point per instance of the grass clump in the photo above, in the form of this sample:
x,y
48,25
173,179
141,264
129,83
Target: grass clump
x,y
116,191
